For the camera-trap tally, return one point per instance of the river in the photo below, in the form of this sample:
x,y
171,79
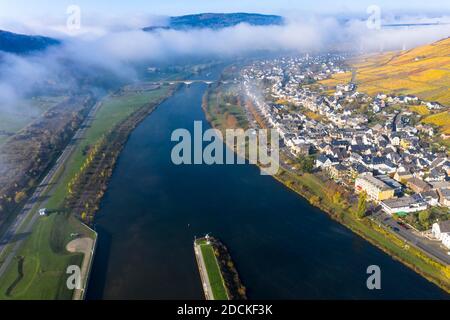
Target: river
x,y
283,247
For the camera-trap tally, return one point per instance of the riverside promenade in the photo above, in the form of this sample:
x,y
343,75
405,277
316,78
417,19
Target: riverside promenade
x,y
202,270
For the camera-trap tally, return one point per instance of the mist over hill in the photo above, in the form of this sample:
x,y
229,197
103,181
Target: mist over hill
x,y
107,50
22,44
218,21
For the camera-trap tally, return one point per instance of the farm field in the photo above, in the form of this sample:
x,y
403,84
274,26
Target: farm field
x,y
24,113
423,71
440,119
338,78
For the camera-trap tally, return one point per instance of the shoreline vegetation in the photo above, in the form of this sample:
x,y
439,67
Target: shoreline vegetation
x,y
88,186
29,153
40,271
220,279
324,194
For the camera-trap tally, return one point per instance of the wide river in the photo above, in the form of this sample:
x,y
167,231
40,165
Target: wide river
x,y
283,247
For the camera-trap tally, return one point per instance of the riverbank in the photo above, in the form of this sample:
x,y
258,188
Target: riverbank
x,y
87,187
45,258
219,276
208,267
87,247
331,198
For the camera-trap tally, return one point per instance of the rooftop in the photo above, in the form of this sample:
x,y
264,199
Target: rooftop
x,y
374,181
444,226
401,202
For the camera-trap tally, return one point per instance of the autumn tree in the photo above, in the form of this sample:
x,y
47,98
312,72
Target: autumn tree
x,y
424,216
362,205
20,196
315,200
306,163
337,198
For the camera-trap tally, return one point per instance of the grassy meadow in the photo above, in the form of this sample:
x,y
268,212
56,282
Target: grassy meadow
x,y
214,274
15,117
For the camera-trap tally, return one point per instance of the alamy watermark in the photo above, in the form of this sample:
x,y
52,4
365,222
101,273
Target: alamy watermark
x,y
374,19
74,280
73,22
260,147
374,280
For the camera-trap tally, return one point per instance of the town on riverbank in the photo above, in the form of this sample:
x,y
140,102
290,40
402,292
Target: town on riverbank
x,y
374,163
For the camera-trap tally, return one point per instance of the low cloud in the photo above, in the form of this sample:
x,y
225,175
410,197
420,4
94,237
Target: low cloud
x,y
116,47
397,34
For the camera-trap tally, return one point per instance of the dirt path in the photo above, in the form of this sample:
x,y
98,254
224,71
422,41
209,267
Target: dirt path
x,y
85,246
203,273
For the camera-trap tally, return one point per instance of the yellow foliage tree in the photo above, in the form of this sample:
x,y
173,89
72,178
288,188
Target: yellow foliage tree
x,y
20,196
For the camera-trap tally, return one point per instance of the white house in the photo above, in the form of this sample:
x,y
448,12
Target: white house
x,y
323,162
440,229
404,205
446,240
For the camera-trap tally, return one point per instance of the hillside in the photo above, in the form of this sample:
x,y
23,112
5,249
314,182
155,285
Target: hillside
x,y
218,21
22,44
423,71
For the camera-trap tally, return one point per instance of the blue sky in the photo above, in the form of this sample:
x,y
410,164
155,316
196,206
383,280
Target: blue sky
x,y
24,8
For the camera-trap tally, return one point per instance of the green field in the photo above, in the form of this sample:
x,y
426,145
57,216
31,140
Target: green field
x,y
15,117
39,270
44,261
213,270
222,110
113,110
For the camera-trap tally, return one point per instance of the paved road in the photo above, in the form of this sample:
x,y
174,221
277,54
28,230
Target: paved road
x,y
22,226
432,248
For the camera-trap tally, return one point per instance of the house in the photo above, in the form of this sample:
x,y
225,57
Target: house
x,y
446,167
403,177
395,139
417,185
43,212
398,189
301,149
323,161
440,184
436,175
404,205
376,189
444,197
431,197
337,171
446,240
382,165
434,105
439,161
439,229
